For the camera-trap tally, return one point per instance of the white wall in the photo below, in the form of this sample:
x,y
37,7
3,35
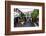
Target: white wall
x,y
2,18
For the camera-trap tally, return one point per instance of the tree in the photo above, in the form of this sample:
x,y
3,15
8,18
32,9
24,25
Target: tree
x,y
34,15
22,15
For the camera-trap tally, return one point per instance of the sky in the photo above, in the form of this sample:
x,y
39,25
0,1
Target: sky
x,y
26,9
